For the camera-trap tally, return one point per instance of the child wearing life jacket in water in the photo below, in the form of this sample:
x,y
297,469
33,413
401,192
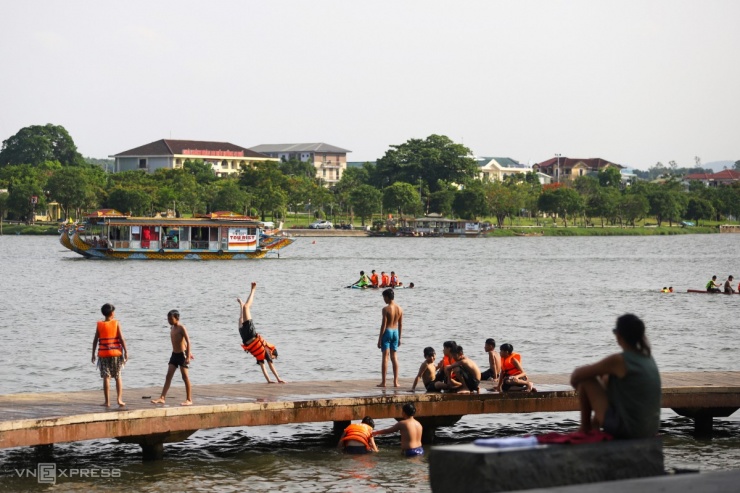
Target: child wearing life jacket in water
x,y
253,342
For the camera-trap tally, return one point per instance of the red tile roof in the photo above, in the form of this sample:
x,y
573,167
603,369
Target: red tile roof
x,y
169,147
567,163
724,175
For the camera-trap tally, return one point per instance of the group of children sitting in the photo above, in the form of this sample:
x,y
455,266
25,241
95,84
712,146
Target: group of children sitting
x,y
456,372
383,280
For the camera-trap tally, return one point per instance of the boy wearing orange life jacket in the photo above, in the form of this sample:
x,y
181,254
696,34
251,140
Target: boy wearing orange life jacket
x,y
358,438
442,381
112,352
374,279
512,376
384,280
254,343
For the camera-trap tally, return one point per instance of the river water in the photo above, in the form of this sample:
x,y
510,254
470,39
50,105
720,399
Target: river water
x,y
554,299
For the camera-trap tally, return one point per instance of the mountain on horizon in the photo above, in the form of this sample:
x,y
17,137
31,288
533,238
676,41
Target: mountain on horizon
x,y
718,166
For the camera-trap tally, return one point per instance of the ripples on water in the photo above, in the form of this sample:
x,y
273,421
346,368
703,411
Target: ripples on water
x,y
554,299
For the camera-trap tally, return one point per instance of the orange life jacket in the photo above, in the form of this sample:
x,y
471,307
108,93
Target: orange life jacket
x,y
359,432
109,345
259,347
507,365
447,360
384,281
374,279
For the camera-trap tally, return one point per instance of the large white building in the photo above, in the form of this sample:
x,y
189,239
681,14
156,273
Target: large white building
x,y
330,161
225,158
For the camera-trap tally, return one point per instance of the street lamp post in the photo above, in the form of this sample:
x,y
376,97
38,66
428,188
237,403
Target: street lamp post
x,y
558,156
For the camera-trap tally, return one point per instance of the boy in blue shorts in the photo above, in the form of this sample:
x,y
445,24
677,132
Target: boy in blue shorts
x,y
390,335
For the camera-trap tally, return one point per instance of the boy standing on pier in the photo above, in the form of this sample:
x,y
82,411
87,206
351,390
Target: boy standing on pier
x,y
389,339
112,352
182,353
253,342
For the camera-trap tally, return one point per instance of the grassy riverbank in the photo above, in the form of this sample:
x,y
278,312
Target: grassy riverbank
x,y
610,231
25,229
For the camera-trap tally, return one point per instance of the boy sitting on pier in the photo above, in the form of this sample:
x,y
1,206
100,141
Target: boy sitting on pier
x,y
253,342
469,373
427,371
513,376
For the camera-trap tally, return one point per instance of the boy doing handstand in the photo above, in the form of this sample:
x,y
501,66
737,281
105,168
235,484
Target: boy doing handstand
x,y
182,353
253,342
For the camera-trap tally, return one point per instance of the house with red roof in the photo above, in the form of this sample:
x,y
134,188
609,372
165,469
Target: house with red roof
x,y
724,177
224,157
566,168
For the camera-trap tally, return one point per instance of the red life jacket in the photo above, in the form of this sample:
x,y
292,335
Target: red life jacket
x,y
384,281
374,279
359,432
259,347
109,345
507,365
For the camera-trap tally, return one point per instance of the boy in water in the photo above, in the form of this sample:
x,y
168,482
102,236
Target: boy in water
x,y
182,353
253,342
389,338
469,373
112,352
494,361
410,430
427,371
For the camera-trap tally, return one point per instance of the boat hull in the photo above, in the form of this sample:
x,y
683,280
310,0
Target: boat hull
x,y
704,291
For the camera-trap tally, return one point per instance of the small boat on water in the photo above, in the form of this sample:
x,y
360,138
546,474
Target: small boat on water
x,y
704,291
108,234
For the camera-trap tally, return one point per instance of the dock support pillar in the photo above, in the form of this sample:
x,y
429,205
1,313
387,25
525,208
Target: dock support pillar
x,y
703,417
431,423
152,446
338,428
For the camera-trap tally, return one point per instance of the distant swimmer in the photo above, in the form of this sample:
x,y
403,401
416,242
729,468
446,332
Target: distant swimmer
x,y
411,285
670,289
713,286
728,286
374,279
664,290
362,282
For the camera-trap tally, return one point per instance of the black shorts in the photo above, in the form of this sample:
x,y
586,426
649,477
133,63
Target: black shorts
x,y
247,331
356,449
178,359
613,423
430,387
487,375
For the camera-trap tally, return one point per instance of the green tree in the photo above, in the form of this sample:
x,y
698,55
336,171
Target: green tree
x,y
667,204
296,167
610,177
71,187
40,143
230,196
602,204
3,207
699,208
365,201
403,198
562,201
737,165
136,201
502,200
441,200
632,208
430,160
202,171
470,202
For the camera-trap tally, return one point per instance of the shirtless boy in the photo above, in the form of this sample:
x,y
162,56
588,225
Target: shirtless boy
x,y
410,430
182,353
390,335
254,343
427,371
112,352
469,380
494,361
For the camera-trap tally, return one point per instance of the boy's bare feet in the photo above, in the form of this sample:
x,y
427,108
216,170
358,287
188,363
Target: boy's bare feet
x,y
121,404
381,384
395,384
281,381
158,401
270,381
187,403
105,404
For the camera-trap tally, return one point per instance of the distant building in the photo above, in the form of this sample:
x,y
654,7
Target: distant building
x,y
565,168
724,177
498,168
330,161
225,158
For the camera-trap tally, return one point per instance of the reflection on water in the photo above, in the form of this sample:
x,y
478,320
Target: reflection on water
x,y
554,299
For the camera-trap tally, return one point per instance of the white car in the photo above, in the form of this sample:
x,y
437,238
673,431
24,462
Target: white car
x,y
320,224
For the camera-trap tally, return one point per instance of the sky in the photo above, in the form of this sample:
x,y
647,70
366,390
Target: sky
x,y
634,82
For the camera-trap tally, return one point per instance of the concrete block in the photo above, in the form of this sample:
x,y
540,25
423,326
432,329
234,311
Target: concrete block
x,y
473,469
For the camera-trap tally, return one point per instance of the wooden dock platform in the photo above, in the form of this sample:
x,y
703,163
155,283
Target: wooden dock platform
x,y
48,418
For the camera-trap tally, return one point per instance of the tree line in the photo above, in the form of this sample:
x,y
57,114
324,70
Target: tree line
x,y
419,176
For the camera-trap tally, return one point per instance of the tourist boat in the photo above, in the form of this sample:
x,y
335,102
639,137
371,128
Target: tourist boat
x,y
108,234
439,226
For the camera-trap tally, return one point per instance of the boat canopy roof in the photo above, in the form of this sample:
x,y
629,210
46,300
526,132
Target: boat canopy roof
x,y
112,216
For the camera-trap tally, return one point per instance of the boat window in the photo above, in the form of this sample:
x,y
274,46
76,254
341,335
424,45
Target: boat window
x,y
135,233
214,234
